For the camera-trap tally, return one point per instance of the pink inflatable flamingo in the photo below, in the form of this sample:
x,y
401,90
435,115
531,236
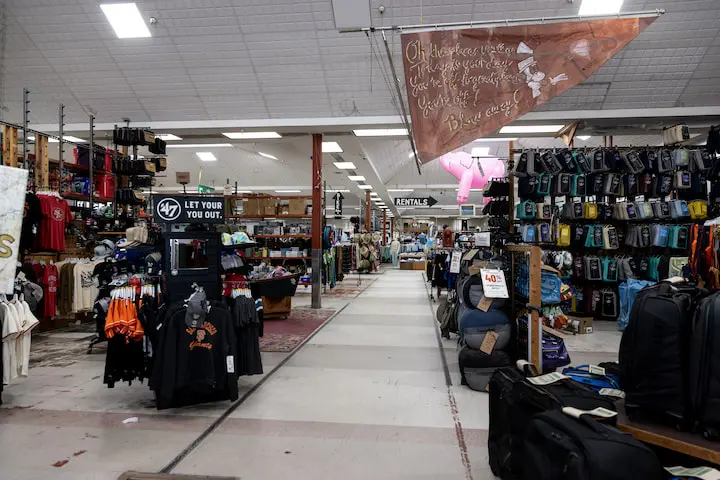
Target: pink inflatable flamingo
x,y
467,170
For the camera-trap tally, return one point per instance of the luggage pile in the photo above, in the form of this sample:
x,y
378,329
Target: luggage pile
x,y
553,427
670,358
486,334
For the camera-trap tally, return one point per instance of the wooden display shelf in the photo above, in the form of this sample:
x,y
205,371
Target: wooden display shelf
x,y
278,216
686,443
279,258
291,235
85,198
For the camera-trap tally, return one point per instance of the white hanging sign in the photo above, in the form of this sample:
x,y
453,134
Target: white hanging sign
x,y
455,262
494,285
13,184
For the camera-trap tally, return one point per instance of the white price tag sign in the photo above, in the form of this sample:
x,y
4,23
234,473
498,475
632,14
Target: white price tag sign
x,y
494,285
482,239
455,262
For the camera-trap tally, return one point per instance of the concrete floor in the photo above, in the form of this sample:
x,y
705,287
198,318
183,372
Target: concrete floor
x,y
366,397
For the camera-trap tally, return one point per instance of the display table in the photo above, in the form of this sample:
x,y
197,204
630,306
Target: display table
x,y
413,261
691,444
276,294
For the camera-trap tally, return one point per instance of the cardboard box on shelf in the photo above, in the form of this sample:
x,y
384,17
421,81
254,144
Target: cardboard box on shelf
x,y
412,265
580,324
283,210
252,206
270,206
297,206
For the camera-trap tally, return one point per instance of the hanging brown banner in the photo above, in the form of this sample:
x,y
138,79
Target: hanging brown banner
x,y
465,84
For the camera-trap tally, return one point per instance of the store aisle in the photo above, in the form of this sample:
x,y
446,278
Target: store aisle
x,y
366,398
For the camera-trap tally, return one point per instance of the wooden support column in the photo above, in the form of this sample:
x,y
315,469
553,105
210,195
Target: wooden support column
x,y
384,227
10,140
367,211
392,228
535,327
317,219
42,161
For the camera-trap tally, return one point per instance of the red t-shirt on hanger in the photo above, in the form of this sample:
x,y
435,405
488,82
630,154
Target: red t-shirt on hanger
x,y
50,284
56,215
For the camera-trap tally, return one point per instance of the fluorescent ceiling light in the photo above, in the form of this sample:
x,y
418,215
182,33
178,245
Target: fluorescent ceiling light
x,y
356,178
480,152
374,194
67,138
449,208
600,7
200,145
206,156
473,189
126,20
244,191
267,155
486,140
337,190
365,187
251,135
532,129
168,137
344,165
584,137
381,132
287,191
331,147
400,189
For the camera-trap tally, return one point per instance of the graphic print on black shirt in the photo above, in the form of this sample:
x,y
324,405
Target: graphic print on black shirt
x,y
31,220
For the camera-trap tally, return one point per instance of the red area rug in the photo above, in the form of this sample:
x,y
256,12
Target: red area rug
x,y
284,335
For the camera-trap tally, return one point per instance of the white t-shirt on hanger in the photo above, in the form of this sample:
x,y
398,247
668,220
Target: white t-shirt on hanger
x,y
22,344
10,331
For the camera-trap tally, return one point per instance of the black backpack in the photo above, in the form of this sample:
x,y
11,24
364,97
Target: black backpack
x,y
560,447
514,401
653,353
704,367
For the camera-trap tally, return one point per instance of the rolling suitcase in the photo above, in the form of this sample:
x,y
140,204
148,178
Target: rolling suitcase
x,y
476,367
514,401
653,350
704,367
558,446
595,377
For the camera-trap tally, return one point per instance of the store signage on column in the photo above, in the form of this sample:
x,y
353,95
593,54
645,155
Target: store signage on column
x,y
415,202
188,209
13,183
464,84
338,197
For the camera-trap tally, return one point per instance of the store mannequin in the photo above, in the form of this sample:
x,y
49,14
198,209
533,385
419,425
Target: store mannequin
x,y
471,172
395,251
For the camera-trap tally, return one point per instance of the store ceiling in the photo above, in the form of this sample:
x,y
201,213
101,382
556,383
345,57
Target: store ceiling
x,y
222,65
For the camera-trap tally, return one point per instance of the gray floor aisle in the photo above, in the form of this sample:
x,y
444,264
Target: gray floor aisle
x,y
365,398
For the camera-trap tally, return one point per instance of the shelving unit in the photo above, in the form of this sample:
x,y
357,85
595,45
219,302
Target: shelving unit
x,y
290,235
269,217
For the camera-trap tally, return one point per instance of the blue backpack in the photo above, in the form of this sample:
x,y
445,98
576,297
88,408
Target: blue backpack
x,y
596,381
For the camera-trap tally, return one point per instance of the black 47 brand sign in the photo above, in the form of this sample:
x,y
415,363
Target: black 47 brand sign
x,y
188,209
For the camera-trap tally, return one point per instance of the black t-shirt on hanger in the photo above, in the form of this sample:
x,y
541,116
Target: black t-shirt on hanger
x,y
31,221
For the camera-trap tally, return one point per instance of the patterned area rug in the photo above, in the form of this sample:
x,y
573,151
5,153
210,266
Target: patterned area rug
x,y
284,335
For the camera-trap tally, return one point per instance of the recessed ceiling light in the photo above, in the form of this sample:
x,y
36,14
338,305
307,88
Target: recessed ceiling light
x,y
584,137
400,190
206,156
356,178
126,20
331,147
485,140
200,145
600,7
344,165
267,155
287,191
168,137
67,138
480,152
365,187
251,135
532,129
374,194
381,132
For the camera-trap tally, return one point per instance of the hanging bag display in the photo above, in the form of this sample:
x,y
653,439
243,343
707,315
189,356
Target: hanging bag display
x,y
564,235
544,185
544,233
610,269
527,187
679,209
596,183
525,210
590,211
660,235
698,209
562,184
521,167
578,186
550,163
543,211
528,233
593,268
597,161
681,180
665,161
610,238
644,210
581,161
565,157
612,184
661,210
681,157
630,185
662,185
632,161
